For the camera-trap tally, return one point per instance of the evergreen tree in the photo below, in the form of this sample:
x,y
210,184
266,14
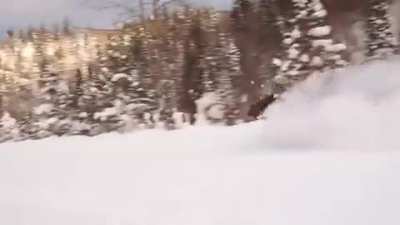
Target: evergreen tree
x,y
233,97
87,107
269,18
326,54
293,65
98,105
380,41
79,121
108,90
27,131
242,9
227,76
211,60
193,48
127,63
246,22
308,46
51,116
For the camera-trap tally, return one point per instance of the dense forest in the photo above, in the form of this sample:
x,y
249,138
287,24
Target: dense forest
x,y
190,65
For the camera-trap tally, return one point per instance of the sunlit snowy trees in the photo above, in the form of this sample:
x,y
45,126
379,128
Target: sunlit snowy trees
x,y
51,116
180,67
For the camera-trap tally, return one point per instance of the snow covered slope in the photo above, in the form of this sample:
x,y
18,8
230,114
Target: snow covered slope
x,y
327,154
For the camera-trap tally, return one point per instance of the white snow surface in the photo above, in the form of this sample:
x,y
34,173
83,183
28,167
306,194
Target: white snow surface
x,y
326,154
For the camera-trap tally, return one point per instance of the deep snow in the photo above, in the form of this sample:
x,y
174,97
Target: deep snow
x,y
327,154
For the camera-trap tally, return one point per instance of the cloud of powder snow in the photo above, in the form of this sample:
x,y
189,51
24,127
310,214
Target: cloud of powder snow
x,y
357,108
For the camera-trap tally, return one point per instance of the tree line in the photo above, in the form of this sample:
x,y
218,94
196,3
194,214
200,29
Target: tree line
x,y
186,66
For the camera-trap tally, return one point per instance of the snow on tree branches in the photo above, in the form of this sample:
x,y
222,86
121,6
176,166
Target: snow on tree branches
x,y
307,45
381,41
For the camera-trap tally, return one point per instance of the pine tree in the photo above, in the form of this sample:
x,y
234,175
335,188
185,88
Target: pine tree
x,y
380,41
87,107
51,116
79,121
138,107
32,124
40,61
170,57
108,90
293,65
227,76
210,61
76,89
128,63
118,56
269,18
326,54
193,48
27,131
233,97
307,44
145,80
98,102
247,21
242,9
217,82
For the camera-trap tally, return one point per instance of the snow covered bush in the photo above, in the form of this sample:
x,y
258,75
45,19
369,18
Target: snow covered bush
x,y
9,130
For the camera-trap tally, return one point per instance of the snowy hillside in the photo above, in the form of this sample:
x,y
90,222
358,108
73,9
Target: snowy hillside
x,y
259,173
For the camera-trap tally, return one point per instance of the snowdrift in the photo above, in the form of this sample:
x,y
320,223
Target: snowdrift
x,y
226,176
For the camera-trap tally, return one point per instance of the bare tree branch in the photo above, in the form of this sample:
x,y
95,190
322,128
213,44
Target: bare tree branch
x,y
141,9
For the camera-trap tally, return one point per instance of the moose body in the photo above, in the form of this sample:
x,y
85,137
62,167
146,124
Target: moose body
x,y
257,109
